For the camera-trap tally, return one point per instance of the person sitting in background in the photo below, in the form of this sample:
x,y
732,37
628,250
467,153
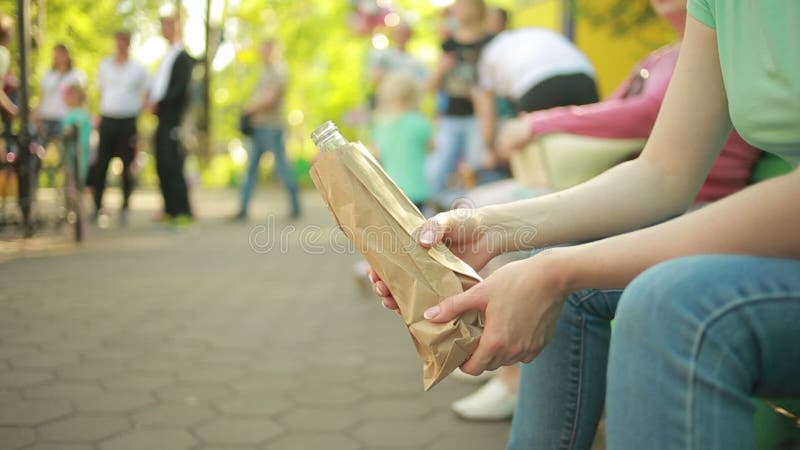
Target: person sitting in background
x,y
535,69
123,85
79,117
630,112
705,304
265,114
403,135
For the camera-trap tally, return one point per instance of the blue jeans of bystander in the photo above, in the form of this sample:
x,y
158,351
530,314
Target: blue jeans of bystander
x,y
266,138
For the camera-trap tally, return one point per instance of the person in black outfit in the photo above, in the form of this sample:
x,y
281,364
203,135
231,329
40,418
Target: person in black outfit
x,y
458,135
169,98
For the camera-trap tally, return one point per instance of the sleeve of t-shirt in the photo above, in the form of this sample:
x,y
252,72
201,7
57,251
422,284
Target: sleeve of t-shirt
x,y
703,10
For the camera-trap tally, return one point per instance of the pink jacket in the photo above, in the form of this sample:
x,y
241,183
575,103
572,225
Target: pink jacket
x,y
631,111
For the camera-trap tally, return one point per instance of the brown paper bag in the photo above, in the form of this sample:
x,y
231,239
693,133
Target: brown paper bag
x,y
378,217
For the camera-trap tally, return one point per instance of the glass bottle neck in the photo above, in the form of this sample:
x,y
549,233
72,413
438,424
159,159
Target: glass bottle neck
x,y
328,137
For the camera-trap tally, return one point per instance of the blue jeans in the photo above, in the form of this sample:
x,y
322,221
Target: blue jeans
x,y
695,339
264,139
458,138
51,129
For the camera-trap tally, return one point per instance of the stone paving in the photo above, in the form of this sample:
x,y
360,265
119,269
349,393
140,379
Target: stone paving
x,y
150,338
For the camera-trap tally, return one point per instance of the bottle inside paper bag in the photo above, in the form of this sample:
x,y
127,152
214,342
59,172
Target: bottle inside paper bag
x,y
381,221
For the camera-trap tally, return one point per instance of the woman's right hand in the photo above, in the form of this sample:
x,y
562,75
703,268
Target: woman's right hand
x,y
464,233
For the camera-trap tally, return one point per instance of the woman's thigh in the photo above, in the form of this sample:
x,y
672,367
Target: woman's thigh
x,y
695,339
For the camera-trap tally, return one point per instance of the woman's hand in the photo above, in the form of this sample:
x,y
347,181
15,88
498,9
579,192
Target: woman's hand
x,y
521,302
514,135
464,233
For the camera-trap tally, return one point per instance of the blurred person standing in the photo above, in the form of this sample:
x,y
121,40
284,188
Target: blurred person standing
x,y
456,76
8,109
122,83
79,117
51,109
403,135
169,99
6,31
396,59
265,114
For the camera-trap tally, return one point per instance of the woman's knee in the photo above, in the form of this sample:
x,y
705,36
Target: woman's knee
x,y
664,296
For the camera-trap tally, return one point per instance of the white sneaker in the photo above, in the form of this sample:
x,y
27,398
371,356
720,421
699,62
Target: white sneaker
x,y
491,402
458,375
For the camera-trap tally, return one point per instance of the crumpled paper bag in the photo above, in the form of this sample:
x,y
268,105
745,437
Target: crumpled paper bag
x,y
381,221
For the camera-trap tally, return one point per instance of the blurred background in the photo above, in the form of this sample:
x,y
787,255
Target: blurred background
x,y
326,45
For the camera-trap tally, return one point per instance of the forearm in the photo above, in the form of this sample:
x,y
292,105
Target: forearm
x,y
436,81
6,102
759,220
615,119
486,110
630,196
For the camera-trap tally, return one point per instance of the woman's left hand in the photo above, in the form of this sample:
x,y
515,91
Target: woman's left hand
x,y
521,302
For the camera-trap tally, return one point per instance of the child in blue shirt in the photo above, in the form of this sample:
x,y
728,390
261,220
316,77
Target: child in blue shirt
x,y
403,135
78,116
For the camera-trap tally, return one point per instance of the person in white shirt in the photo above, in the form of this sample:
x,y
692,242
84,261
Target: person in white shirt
x,y
536,69
52,109
123,84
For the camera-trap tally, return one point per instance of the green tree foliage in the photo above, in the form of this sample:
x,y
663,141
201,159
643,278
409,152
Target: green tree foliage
x,y
325,56
621,16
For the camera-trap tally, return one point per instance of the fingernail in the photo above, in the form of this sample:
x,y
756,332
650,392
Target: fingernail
x,y
378,290
431,312
426,237
384,306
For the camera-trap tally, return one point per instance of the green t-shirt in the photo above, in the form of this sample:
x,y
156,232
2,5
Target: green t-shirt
x,y
80,117
759,51
403,144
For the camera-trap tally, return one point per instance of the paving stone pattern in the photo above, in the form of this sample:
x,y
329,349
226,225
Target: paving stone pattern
x,y
150,338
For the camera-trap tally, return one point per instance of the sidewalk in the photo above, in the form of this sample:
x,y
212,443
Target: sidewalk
x,y
151,338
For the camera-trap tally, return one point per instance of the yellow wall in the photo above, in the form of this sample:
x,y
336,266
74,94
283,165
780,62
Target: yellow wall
x,y
546,14
612,56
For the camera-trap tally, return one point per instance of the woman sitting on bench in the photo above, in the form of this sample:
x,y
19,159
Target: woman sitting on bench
x,y
706,305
